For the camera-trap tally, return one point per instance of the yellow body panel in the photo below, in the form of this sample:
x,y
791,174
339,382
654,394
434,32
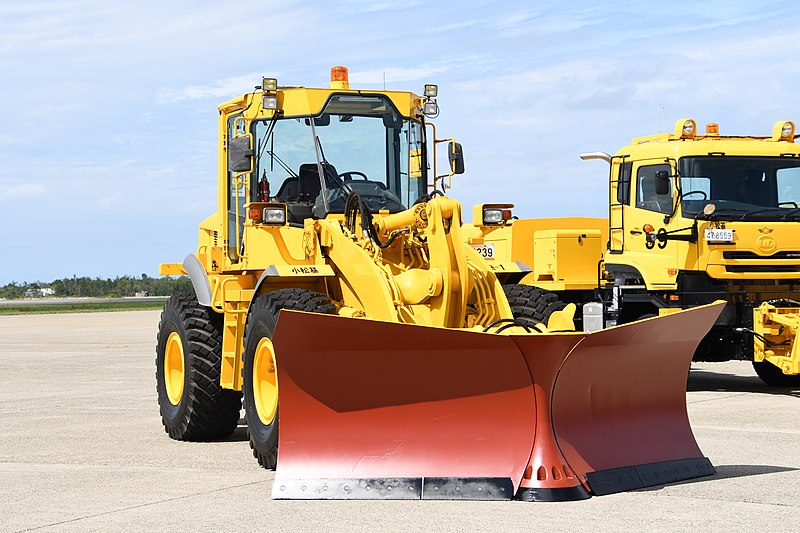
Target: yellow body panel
x,y
560,253
777,329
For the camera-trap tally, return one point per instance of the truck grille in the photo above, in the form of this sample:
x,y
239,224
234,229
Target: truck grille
x,y
751,255
762,268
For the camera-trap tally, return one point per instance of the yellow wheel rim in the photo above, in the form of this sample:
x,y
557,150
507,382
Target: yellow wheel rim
x,y
265,382
174,368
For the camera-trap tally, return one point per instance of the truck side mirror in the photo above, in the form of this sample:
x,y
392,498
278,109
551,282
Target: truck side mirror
x,y
240,154
456,155
662,183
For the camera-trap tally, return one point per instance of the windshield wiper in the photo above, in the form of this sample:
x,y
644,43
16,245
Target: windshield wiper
x,y
722,211
756,212
283,164
342,186
791,212
268,136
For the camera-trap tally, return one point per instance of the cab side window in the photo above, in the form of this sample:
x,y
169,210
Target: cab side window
x,y
624,183
646,197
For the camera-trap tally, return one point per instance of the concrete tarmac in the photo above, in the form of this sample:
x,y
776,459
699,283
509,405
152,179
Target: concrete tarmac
x,y
82,449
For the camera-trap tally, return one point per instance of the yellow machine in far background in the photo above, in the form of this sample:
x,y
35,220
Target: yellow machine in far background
x,y
693,218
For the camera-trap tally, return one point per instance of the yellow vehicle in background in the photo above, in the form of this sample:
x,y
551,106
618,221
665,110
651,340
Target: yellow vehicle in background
x,y
693,218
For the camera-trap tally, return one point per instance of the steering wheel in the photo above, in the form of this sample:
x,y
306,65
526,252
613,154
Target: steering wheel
x,y
705,196
793,204
348,176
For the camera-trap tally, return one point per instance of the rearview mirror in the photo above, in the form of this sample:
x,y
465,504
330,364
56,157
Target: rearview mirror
x,y
662,183
324,120
240,154
456,155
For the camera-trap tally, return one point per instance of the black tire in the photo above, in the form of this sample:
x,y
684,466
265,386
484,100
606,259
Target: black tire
x,y
261,320
204,411
772,375
532,305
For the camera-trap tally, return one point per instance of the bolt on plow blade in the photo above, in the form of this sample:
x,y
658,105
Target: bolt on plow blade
x,y
382,410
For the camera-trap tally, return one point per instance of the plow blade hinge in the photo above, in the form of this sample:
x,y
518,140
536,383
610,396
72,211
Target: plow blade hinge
x,y
638,477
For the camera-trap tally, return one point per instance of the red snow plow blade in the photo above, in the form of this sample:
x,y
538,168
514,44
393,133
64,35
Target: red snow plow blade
x,y
383,410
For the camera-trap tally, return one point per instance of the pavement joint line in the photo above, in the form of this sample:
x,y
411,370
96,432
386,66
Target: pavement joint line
x,y
749,430
132,507
722,398
694,497
138,467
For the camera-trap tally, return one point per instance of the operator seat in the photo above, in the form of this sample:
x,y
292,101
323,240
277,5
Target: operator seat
x,y
301,193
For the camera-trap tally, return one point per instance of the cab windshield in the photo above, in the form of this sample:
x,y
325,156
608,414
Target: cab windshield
x,y
359,143
741,188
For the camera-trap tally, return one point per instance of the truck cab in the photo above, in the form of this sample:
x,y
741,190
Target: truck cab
x,y
698,217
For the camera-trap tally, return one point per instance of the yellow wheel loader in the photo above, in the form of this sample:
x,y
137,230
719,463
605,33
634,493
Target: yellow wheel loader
x,y
377,355
693,218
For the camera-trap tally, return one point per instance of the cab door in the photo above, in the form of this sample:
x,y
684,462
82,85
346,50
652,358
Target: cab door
x,y
651,211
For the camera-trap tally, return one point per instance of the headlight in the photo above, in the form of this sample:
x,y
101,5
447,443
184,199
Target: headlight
x,y
431,109
270,102
275,215
783,130
685,128
269,84
493,216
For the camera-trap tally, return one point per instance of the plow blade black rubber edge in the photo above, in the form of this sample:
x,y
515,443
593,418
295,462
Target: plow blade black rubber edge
x,y
559,494
348,489
429,488
467,488
627,478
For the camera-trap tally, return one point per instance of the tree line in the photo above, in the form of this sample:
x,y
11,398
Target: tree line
x,y
98,287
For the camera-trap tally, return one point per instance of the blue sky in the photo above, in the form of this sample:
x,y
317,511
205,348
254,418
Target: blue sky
x,y
108,144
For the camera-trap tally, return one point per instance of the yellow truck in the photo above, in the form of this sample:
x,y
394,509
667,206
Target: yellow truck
x,y
694,217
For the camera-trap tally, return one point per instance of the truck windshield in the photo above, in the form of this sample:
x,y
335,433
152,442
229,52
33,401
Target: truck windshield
x,y
359,143
741,188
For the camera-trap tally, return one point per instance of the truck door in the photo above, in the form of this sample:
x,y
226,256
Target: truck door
x,y
649,209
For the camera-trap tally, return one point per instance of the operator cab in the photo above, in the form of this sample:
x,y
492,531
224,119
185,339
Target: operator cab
x,y
358,143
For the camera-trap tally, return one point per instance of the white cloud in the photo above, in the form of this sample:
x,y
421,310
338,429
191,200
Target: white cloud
x,y
21,191
224,88
397,74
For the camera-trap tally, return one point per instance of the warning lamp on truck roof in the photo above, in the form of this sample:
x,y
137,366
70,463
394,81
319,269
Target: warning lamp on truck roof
x,y
712,128
783,130
339,78
685,128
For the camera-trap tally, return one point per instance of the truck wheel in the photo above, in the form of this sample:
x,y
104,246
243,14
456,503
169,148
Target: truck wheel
x,y
772,375
532,305
193,405
259,374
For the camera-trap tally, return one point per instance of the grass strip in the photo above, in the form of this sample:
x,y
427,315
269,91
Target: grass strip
x,y
92,307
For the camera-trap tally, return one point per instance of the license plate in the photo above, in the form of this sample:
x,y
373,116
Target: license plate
x,y
486,250
719,235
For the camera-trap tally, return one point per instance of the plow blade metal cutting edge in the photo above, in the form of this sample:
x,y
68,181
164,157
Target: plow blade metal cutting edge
x,y
384,410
